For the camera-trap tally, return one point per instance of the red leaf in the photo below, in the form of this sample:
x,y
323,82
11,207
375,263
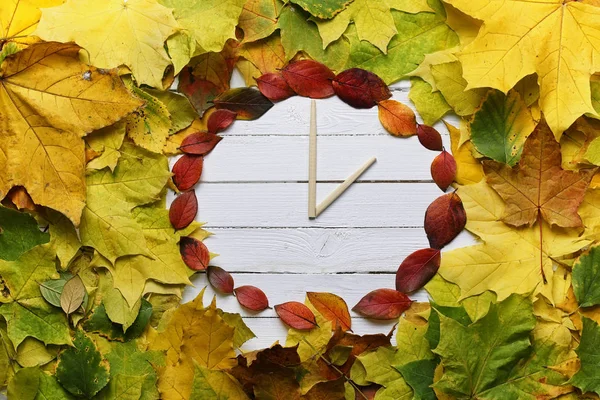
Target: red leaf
x,y
199,143
252,298
220,279
445,218
383,304
333,308
274,87
360,88
194,253
429,137
309,78
443,170
417,269
296,315
248,103
187,171
397,118
183,210
220,120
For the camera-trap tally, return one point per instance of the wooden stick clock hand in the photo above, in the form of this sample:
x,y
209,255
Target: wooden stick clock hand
x,y
313,210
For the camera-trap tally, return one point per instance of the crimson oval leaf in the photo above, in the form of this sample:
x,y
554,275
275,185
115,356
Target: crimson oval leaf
x,y
220,279
183,210
199,143
194,253
443,170
248,103
187,171
220,120
296,315
445,218
252,298
397,118
383,304
333,308
417,269
360,88
429,137
309,78
274,87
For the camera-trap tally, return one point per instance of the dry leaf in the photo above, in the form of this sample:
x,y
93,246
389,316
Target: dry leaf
x,y
397,118
383,304
445,218
309,78
252,298
332,308
296,315
443,170
220,279
194,253
183,210
417,269
187,171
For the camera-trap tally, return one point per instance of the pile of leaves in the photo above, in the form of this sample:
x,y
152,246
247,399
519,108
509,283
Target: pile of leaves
x,y
93,265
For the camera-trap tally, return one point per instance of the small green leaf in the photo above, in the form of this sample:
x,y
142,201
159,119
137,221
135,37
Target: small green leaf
x,y
101,324
587,378
19,233
72,295
324,9
586,274
419,376
81,369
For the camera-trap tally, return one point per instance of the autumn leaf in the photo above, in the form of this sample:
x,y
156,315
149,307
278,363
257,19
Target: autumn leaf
x,y
431,105
373,20
259,18
360,88
210,384
220,279
417,269
200,143
333,308
114,33
539,187
429,137
383,304
107,142
296,315
194,253
445,218
55,99
251,297
397,118
585,271
72,295
183,210
499,128
19,232
20,18
246,102
563,76
585,379
443,170
323,9
187,171
274,87
220,120
261,57
309,78
450,82
468,169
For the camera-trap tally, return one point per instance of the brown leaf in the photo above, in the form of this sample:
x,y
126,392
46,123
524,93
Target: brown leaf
x,y
331,390
309,78
333,308
383,304
397,118
194,253
220,120
183,210
72,295
443,170
220,279
248,103
360,88
200,143
252,298
445,218
429,137
539,186
417,269
296,315
274,87
187,171
280,384
20,198
278,355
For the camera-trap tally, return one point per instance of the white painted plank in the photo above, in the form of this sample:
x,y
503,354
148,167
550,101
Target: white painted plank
x,y
284,205
281,158
317,250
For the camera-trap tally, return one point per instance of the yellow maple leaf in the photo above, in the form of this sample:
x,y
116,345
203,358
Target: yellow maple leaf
x,y
510,260
115,32
19,18
193,334
557,39
468,170
48,101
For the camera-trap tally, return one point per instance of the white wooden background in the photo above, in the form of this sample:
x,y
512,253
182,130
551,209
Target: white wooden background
x,y
253,197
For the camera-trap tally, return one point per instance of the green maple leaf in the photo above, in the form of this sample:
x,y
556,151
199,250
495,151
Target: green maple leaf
x,y
19,232
419,376
587,378
585,278
480,357
81,369
418,34
107,224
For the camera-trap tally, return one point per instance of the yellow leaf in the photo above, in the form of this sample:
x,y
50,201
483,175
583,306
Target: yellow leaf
x,y
115,32
106,141
194,334
449,80
20,17
519,38
510,260
45,92
468,170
